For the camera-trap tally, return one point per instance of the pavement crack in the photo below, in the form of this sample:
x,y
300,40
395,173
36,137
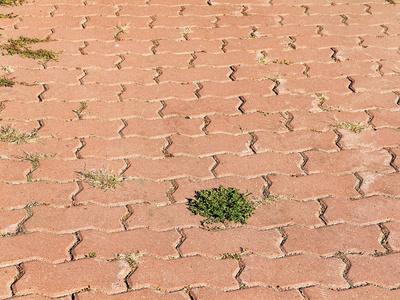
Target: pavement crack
x,y
152,20
21,272
199,88
284,236
322,212
359,184
394,156
216,25
155,45
82,49
384,242
288,119
126,217
85,73
370,118
361,42
277,83
320,29
180,242
164,105
118,65
207,122
87,19
78,241
305,160
83,144
159,73
242,266
368,9
379,69
240,108
45,89
334,55
181,10
83,105
306,8
191,61
292,44
224,44
123,90
165,149
232,75
340,255
350,87
385,29
209,3
344,19
307,68
244,10
170,193
280,20
120,131
128,165
339,137
215,166
266,191
253,140
80,189
53,11
117,13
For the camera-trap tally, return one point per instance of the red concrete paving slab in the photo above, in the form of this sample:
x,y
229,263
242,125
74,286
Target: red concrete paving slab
x,y
295,141
210,145
225,59
184,21
131,191
338,36
67,170
386,118
302,55
145,241
305,187
218,33
201,107
195,75
285,31
25,127
269,71
139,294
171,168
258,164
370,139
216,273
20,62
364,292
158,128
170,60
121,110
51,22
259,44
75,218
278,103
394,236
369,54
390,68
113,21
312,85
162,218
212,10
29,10
34,33
160,91
84,34
51,193
369,269
286,212
181,47
187,187
159,34
146,10
36,246
244,21
19,170
246,123
123,148
7,277
63,149
37,297
326,241
76,93
342,69
48,76
10,219
38,111
372,210
374,184
202,242
348,161
381,41
294,271
123,76
62,279
361,101
250,293
81,128
23,93
85,10
118,47
324,121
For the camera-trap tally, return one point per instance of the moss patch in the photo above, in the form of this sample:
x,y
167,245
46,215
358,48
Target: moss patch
x,y
21,46
101,179
14,136
222,205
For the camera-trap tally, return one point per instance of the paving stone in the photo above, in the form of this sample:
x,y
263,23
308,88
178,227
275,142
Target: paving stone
x,y
7,277
364,292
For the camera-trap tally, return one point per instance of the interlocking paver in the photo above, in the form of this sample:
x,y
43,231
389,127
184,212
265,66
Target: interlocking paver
x,y
293,102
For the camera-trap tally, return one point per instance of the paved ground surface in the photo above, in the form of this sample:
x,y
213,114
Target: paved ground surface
x,y
293,99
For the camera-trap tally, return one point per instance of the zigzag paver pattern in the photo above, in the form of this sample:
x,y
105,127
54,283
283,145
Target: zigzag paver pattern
x,y
189,95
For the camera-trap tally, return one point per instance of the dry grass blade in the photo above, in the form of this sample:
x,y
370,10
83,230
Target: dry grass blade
x,y
101,179
34,158
355,127
14,136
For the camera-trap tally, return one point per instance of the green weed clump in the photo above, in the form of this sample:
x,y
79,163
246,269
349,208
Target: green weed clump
x,y
11,2
14,136
222,205
8,16
6,82
101,179
21,47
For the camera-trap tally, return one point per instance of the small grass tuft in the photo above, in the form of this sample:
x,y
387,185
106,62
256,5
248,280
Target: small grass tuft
x,y
6,82
14,136
8,16
222,205
101,179
236,256
21,47
355,127
11,2
282,62
34,158
268,200
120,30
92,254
391,1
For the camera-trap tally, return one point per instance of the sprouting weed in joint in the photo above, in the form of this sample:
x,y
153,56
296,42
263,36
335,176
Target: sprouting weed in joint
x,y
6,82
101,179
21,47
120,30
11,2
8,16
34,158
268,200
92,254
14,136
355,127
282,62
